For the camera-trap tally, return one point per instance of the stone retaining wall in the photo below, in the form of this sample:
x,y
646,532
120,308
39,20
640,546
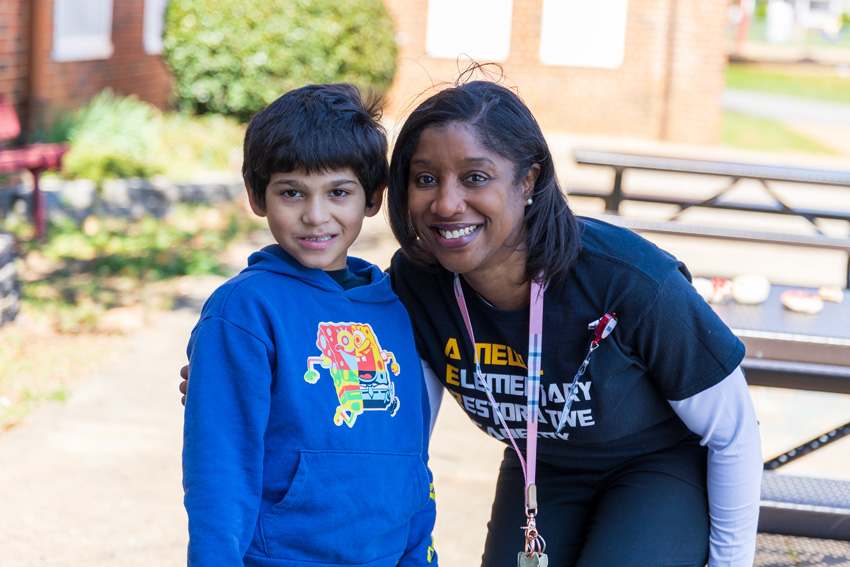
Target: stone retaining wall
x,y
133,198
10,289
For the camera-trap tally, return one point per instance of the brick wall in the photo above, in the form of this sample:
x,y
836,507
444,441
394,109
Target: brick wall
x,y
45,87
668,87
14,61
133,70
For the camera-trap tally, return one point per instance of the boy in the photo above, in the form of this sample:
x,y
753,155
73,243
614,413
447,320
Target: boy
x,y
305,440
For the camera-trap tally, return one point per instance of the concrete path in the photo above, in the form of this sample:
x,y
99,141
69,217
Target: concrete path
x,y
95,482
786,108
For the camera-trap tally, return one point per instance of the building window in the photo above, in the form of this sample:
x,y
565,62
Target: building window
x,y
479,29
577,33
82,30
154,23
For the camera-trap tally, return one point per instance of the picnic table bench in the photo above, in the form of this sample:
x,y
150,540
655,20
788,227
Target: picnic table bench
x,y
35,158
784,349
734,172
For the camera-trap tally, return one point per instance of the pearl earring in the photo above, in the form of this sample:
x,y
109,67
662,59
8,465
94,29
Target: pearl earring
x,y
528,202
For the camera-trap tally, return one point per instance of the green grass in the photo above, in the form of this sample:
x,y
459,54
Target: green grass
x,y
750,132
789,80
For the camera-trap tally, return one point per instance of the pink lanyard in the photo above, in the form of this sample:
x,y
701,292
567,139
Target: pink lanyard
x,y
535,343
602,327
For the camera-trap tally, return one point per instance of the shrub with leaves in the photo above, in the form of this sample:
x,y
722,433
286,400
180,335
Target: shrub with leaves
x,y
235,57
111,137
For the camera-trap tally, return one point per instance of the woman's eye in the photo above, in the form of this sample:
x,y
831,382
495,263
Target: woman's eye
x,y
425,179
475,178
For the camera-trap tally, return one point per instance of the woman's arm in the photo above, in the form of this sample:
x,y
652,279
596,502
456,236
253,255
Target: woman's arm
x,y
724,417
435,392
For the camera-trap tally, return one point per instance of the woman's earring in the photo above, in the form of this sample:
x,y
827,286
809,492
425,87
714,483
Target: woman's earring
x,y
528,202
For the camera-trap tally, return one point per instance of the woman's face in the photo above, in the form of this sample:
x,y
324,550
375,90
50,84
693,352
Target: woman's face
x,y
464,204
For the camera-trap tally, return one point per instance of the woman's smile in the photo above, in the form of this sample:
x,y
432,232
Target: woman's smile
x,y
452,234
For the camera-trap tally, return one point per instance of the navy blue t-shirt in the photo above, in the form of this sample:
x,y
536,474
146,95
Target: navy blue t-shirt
x,y
668,345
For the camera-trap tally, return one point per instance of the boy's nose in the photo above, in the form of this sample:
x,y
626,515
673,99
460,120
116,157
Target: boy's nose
x,y
449,200
316,212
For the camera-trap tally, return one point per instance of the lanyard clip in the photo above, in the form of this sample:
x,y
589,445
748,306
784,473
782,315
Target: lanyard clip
x,y
603,326
531,500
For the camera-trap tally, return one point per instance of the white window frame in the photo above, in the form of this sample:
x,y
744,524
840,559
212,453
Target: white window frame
x,y
71,44
478,29
153,26
579,33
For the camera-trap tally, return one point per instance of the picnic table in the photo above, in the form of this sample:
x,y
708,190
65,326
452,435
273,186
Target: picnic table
x,y
720,199
799,351
785,349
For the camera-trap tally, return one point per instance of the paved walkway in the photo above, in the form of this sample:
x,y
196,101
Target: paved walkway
x,y
786,108
96,481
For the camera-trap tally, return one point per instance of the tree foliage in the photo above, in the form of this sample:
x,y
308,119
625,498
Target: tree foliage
x,y
235,57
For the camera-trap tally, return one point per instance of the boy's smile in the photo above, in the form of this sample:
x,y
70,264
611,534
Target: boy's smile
x,y
316,217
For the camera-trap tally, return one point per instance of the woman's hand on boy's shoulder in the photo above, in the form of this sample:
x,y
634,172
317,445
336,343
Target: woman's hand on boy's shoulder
x,y
184,384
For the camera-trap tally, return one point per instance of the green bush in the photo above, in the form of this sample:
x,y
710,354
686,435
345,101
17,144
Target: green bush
x,y
235,57
188,145
111,137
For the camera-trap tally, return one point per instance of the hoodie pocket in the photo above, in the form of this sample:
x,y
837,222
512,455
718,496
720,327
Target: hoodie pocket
x,y
346,507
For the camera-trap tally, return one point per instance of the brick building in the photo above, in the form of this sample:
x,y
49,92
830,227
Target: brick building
x,y
56,54
650,69
639,68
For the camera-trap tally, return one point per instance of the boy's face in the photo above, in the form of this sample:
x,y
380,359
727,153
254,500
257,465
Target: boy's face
x,y
316,217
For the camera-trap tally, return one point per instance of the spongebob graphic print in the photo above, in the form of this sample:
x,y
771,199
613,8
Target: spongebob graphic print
x,y
359,367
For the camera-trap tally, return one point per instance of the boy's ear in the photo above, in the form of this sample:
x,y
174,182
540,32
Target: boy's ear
x,y
377,201
258,210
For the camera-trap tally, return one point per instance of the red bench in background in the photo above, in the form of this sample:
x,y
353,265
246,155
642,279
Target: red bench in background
x,y
36,158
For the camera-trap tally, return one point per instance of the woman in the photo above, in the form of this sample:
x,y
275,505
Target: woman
x,y
647,451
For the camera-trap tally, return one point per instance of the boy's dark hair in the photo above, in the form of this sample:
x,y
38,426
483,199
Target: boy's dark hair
x,y
318,128
505,126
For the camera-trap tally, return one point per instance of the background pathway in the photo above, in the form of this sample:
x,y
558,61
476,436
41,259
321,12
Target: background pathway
x,y
95,481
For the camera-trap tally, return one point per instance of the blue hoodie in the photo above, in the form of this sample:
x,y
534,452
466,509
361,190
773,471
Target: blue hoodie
x,y
304,439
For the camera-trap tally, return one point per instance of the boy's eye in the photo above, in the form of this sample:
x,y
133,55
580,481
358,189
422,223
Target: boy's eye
x,y
339,193
290,193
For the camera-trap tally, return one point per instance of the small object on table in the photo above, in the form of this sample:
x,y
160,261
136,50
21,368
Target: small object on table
x,y
714,290
750,289
801,301
831,293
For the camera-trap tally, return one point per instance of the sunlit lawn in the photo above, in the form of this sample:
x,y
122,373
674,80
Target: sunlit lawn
x,y
751,132
804,80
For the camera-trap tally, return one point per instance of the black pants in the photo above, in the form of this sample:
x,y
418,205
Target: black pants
x,y
650,511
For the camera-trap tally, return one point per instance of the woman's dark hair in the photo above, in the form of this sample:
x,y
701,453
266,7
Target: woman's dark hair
x,y
319,128
505,126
